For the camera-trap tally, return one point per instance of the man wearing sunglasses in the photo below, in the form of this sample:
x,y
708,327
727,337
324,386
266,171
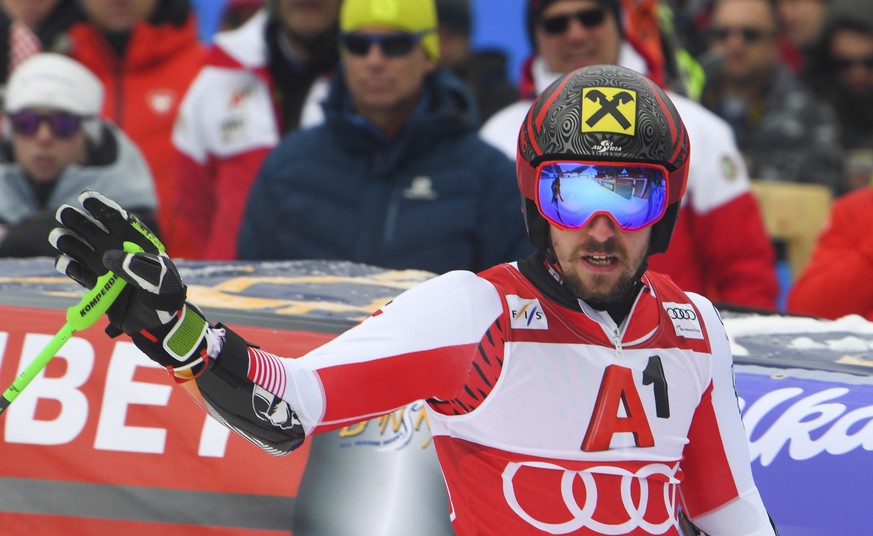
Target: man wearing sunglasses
x,y
571,392
397,175
720,248
844,77
54,145
783,131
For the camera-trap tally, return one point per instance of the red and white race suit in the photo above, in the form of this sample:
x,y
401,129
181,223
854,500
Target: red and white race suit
x,y
547,420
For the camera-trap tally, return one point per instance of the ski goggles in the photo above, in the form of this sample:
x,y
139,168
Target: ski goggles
x,y
62,124
393,45
570,194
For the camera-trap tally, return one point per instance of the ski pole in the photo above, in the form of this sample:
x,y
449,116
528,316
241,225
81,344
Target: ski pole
x,y
80,316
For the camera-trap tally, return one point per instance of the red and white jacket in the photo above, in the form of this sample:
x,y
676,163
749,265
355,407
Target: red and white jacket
x,y
546,419
226,125
720,247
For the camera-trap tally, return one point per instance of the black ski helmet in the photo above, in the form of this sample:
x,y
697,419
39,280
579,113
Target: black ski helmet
x,y
603,113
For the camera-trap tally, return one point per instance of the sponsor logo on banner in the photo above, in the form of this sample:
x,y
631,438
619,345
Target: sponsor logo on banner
x,y
526,313
101,399
390,432
813,424
684,319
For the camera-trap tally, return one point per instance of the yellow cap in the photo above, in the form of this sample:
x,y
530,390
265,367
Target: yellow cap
x,y
412,16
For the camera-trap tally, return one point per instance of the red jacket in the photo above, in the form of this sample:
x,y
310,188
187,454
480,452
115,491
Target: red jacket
x,y
723,253
227,123
145,88
837,280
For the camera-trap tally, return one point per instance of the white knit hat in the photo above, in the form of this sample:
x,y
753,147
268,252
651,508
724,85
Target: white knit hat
x,y
54,81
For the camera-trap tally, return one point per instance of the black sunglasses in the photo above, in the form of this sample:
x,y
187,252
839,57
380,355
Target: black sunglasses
x,y
393,45
558,24
845,63
749,34
62,124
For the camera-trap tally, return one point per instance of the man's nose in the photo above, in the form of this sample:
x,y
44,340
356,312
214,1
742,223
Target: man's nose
x,y
577,30
601,228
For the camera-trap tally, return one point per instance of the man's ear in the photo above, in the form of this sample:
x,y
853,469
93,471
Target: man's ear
x,y
432,64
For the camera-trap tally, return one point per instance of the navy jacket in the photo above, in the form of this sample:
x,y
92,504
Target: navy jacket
x,y
437,198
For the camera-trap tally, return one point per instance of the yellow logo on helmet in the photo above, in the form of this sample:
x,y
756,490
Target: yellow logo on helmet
x,y
609,109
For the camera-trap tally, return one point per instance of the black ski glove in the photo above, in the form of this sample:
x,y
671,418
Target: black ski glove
x,y
152,307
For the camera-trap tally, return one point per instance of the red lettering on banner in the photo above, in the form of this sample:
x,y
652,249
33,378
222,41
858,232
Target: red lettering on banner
x,y
103,413
617,387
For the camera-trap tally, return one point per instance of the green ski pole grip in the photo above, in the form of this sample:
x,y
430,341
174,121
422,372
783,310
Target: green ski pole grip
x,y
81,316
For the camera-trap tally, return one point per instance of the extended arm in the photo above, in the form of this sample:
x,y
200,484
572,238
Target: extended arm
x,y
419,346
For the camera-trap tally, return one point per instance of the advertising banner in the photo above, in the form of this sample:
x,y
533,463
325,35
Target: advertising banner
x,y
103,425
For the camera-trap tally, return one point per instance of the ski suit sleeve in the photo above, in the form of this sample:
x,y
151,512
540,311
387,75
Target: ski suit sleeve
x,y
718,492
419,346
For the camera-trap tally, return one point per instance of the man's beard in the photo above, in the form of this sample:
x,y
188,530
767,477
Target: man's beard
x,y
597,292
601,288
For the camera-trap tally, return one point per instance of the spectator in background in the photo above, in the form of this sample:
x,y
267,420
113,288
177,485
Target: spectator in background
x,y
262,80
719,248
146,53
844,77
33,26
54,146
784,132
801,22
397,175
483,71
836,282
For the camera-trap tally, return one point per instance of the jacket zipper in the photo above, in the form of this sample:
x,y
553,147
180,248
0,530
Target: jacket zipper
x,y
617,333
616,340
388,234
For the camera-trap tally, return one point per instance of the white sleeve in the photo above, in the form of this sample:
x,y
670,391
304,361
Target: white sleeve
x,y
419,346
728,464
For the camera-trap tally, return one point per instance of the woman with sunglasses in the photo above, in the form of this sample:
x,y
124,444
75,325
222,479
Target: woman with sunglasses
x,y
53,146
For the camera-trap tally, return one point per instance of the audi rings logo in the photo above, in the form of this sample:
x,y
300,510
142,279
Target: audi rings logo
x,y
678,313
583,516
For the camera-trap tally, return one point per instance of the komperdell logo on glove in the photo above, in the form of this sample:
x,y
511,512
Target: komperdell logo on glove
x,y
104,237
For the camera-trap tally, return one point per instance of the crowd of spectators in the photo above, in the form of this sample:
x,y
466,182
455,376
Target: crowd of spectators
x,y
283,104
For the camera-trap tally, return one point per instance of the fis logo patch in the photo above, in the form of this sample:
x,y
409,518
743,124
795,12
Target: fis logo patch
x,y
609,109
685,320
526,313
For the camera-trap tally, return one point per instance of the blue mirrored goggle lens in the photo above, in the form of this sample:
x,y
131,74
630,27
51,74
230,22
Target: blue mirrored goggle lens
x,y
571,193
